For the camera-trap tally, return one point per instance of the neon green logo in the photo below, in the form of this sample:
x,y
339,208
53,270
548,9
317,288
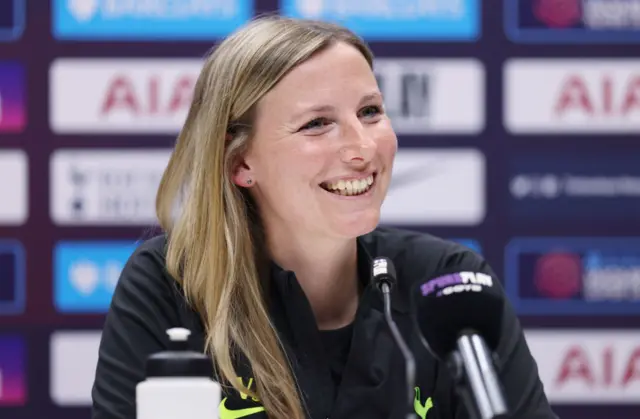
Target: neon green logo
x,y
422,409
225,413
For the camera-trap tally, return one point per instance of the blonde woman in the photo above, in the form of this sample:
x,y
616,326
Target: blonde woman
x,y
270,204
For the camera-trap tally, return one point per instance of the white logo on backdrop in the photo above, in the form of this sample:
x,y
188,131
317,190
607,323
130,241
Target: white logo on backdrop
x,y
572,96
83,10
106,187
425,96
74,356
436,187
588,366
13,187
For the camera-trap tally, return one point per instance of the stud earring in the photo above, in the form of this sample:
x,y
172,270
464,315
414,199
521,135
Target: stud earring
x,y
249,181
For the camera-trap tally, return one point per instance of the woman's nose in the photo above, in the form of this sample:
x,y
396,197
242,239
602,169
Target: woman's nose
x,y
358,144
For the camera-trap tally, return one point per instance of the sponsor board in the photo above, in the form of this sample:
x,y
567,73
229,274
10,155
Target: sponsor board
x,y
436,187
572,96
121,95
587,366
13,382
408,20
12,278
579,276
573,21
148,20
85,274
73,360
13,111
576,187
12,20
14,187
425,96
105,186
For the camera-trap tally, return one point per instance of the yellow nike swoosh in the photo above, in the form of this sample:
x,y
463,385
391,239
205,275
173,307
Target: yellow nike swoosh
x,y
225,413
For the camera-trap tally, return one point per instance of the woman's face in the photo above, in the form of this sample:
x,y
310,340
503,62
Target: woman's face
x,y
321,158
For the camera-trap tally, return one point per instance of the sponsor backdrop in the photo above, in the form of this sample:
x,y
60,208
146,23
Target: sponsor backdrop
x,y
519,131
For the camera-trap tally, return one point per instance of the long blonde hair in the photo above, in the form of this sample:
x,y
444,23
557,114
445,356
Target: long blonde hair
x,y
214,242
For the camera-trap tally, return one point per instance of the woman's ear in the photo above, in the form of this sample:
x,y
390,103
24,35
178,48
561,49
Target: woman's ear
x,y
242,174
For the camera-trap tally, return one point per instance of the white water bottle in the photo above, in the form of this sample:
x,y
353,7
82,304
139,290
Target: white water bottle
x,y
179,383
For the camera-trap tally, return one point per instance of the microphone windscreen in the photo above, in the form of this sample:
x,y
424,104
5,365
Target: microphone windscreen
x,y
456,303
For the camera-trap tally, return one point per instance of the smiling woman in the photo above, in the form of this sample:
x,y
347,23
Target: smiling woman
x,y
270,205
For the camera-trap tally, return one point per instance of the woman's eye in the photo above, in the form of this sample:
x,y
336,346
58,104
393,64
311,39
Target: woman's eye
x,y
370,111
316,123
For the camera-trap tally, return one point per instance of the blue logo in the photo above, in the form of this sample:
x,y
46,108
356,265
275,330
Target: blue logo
x,y
471,244
12,20
572,21
573,276
12,278
575,187
148,20
86,274
393,20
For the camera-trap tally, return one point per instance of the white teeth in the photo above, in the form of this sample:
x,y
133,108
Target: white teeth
x,y
351,187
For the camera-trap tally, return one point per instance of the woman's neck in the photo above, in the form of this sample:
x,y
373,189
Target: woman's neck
x,y
327,271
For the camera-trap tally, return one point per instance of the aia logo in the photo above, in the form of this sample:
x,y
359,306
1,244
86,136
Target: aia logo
x,y
604,95
154,96
612,366
558,13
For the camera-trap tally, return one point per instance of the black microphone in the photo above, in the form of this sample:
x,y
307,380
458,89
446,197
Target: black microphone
x,y
459,316
384,278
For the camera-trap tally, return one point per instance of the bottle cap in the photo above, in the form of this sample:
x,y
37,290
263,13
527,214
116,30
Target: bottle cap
x,y
179,360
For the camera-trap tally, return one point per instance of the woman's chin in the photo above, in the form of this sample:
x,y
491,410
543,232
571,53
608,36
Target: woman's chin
x,y
358,224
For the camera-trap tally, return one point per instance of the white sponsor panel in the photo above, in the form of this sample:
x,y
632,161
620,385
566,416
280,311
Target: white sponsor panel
x,y
14,187
106,186
153,95
73,360
572,95
121,95
436,187
425,96
588,366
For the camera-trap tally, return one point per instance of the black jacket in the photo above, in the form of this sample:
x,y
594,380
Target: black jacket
x,y
147,301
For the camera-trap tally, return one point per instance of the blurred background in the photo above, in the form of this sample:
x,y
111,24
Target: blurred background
x,y
518,125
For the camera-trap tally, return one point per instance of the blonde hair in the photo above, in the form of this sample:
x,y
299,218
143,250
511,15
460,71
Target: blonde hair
x,y
215,247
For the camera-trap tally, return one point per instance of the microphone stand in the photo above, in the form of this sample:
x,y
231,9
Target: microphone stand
x,y
474,379
410,362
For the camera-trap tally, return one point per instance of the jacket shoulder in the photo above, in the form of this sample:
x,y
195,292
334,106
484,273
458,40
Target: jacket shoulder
x,y
146,269
155,245
418,255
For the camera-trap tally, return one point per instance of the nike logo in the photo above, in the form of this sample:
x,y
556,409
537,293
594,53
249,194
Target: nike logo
x,y
422,409
412,175
226,413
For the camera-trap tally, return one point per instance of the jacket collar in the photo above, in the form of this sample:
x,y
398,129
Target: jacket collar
x,y
399,294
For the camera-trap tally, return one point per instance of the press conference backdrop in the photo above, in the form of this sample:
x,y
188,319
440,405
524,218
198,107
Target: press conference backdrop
x,y
518,126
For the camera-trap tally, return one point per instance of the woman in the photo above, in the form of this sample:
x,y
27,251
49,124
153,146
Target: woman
x,y
270,204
